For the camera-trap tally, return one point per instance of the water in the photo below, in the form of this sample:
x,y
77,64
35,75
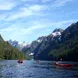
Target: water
x,y
33,69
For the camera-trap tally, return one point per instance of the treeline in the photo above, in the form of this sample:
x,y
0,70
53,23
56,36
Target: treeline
x,y
9,52
68,51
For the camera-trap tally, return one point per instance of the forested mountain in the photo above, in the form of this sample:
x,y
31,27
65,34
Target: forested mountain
x,y
1,39
49,43
39,46
9,52
59,44
64,46
68,48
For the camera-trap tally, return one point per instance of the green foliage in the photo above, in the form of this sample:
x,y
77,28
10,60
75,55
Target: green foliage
x,y
67,50
9,52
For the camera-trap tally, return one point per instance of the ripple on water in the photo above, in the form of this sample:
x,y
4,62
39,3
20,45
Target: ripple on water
x,y
31,69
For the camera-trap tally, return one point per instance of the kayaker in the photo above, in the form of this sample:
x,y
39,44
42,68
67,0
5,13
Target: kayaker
x,y
61,59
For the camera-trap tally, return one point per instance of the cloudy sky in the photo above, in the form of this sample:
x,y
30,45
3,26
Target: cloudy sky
x,y
26,20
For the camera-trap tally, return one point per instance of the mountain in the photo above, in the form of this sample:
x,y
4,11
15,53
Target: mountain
x,y
58,30
68,48
35,43
70,32
9,52
1,39
22,46
59,44
13,43
18,45
41,52
64,45
28,49
42,43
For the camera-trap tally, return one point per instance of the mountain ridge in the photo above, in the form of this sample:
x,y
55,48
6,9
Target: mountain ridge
x,y
66,48
57,45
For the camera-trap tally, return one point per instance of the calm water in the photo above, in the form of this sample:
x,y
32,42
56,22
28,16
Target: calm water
x,y
32,69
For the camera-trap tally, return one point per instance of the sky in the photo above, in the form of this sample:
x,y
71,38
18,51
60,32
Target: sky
x,y
26,20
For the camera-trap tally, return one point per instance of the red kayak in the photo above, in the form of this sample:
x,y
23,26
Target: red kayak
x,y
63,65
20,61
37,61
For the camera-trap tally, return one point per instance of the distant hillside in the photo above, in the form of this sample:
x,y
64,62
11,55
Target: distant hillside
x,y
17,44
9,52
59,44
28,49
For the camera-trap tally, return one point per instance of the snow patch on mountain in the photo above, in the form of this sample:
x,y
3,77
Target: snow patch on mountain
x,y
56,34
19,45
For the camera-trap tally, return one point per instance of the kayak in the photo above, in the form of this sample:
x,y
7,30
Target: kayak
x,y
20,61
63,65
37,61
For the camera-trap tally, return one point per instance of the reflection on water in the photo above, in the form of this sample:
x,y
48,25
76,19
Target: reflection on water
x,y
32,69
